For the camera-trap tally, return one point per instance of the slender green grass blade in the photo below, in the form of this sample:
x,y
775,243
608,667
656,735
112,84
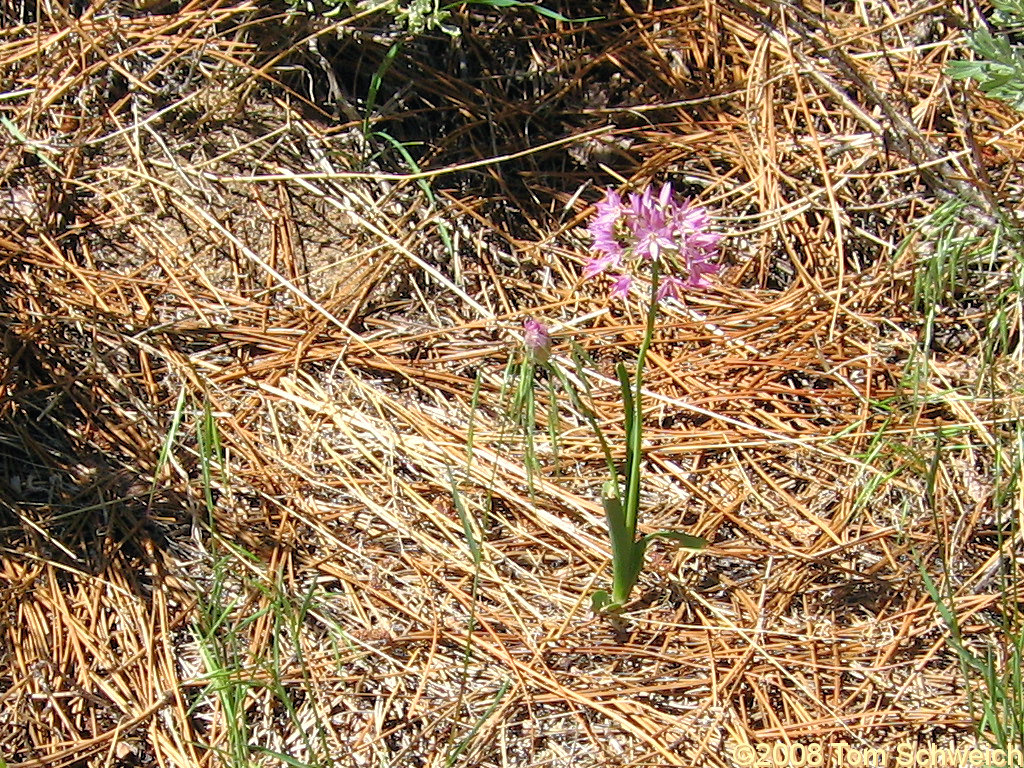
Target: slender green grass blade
x,y
952,623
536,8
286,759
402,148
532,465
23,140
467,522
474,404
578,355
208,440
478,725
628,407
375,83
553,423
172,434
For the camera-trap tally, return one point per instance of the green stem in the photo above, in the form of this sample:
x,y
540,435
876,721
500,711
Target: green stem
x,y
627,552
635,448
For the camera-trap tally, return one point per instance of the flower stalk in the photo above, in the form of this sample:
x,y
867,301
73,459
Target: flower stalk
x,y
658,232
668,240
622,509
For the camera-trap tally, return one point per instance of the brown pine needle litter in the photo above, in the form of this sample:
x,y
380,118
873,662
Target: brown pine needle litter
x,y
242,336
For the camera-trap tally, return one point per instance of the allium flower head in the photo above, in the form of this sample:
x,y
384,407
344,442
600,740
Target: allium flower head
x,y
653,227
537,339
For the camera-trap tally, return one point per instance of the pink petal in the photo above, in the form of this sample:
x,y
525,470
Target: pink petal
x,y
670,287
666,195
621,286
600,264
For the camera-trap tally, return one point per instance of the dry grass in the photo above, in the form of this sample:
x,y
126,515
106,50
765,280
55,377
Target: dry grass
x,y
186,227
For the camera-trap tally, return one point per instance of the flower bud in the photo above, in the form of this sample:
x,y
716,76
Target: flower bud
x,y
537,338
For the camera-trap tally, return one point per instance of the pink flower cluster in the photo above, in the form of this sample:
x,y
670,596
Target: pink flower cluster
x,y
649,228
